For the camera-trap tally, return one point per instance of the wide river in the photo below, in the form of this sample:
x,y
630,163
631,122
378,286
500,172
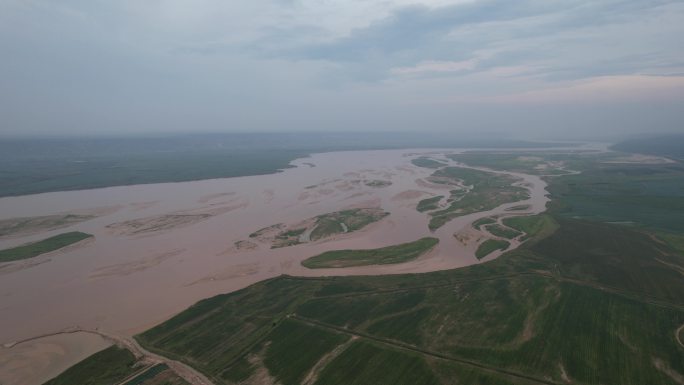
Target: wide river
x,y
124,283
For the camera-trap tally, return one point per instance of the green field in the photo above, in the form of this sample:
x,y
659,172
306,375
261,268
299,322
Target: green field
x,y
429,204
41,247
427,162
533,226
487,191
642,195
382,256
489,246
107,367
502,231
483,221
377,183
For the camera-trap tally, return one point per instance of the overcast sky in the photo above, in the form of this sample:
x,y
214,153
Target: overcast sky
x,y
546,68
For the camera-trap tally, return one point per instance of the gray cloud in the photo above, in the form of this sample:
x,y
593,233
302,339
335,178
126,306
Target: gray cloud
x,y
95,66
517,32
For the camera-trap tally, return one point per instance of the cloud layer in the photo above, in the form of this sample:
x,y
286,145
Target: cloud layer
x,y
524,67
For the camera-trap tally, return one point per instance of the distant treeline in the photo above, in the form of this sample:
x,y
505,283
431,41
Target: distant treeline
x,y
662,145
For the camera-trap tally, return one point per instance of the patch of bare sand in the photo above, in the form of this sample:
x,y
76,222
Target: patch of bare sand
x,y
236,271
406,170
678,334
261,375
123,269
665,368
433,186
139,206
245,245
374,203
170,221
357,195
36,361
10,267
641,159
409,195
312,376
211,197
468,235
348,185
21,227
563,373
268,194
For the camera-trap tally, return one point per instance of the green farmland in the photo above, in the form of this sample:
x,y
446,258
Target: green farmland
x,y
107,367
618,302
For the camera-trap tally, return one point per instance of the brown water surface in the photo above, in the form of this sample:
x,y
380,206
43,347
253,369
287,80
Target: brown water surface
x,y
169,245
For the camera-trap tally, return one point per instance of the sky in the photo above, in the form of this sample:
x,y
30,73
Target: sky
x,y
527,68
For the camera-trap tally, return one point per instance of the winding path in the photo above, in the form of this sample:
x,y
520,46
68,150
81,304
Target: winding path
x,y
678,332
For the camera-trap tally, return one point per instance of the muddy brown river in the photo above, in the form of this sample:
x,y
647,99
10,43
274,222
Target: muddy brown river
x,y
159,248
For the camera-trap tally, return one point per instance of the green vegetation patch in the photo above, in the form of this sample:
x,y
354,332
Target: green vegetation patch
x,y
365,363
518,208
377,183
502,231
485,192
288,358
386,255
266,230
427,162
483,221
429,204
617,257
638,194
534,226
345,221
107,367
47,245
489,246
